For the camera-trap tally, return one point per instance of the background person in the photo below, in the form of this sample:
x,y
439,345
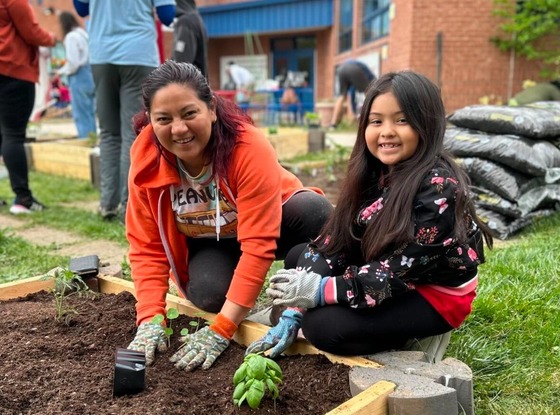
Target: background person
x,y
398,258
123,51
78,70
190,40
244,81
210,202
20,38
352,76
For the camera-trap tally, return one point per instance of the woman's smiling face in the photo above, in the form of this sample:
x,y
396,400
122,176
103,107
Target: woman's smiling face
x,y
182,124
389,137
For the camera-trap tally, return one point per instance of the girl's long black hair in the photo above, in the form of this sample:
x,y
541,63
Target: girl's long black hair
x,y
420,101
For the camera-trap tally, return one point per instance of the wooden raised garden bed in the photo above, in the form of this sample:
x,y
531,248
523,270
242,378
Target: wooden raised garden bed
x,y
372,401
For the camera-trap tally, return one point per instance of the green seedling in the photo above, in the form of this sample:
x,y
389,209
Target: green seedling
x,y
194,325
257,376
171,314
66,284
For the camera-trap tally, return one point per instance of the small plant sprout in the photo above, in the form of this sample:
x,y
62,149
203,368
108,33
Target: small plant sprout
x,y
256,376
171,314
194,325
66,284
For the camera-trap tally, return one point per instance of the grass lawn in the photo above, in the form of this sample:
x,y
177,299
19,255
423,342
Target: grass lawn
x,y
511,341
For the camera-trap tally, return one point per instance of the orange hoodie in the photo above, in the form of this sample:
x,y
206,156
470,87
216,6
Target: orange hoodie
x,y
20,38
259,186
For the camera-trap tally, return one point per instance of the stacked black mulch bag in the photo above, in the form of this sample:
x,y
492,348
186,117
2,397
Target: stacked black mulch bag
x,y
512,156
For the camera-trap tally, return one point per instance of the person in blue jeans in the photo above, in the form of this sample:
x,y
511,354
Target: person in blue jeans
x,y
80,78
123,51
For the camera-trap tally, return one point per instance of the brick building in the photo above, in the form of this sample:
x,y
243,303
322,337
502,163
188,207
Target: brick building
x,y
447,40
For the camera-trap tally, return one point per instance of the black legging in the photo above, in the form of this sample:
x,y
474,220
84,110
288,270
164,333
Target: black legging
x,y
343,330
16,103
212,263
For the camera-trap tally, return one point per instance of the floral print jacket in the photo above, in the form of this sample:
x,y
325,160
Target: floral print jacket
x,y
434,257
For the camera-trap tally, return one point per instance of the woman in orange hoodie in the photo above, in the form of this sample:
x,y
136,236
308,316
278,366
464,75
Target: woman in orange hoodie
x,y
20,38
209,205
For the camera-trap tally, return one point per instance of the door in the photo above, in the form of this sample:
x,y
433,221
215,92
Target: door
x,y
294,58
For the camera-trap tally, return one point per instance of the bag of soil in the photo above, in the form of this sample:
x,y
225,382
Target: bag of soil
x,y
526,121
542,197
553,106
499,179
532,157
491,201
501,228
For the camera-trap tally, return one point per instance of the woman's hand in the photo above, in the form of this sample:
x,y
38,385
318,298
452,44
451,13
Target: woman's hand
x,y
200,349
149,338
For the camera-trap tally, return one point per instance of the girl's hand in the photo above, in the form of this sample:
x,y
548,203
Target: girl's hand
x,y
296,288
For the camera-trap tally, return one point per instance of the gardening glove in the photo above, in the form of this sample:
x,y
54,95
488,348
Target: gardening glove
x,y
204,346
149,337
296,288
279,337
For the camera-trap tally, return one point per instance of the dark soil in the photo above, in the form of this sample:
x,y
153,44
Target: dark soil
x,y
50,368
328,180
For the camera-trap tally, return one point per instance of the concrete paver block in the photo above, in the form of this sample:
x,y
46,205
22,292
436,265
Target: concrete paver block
x,y
422,388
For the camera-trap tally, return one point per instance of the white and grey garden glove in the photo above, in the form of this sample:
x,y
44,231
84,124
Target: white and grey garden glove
x,y
203,347
296,288
149,338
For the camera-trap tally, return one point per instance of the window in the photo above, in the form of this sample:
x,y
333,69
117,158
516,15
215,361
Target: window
x,y
345,22
375,23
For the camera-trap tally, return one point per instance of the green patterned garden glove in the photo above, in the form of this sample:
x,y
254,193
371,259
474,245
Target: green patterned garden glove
x,y
201,348
149,338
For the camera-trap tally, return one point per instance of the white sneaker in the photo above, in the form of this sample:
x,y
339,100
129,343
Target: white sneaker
x,y
18,209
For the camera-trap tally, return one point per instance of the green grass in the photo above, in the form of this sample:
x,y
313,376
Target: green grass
x,y
511,341
19,259
58,194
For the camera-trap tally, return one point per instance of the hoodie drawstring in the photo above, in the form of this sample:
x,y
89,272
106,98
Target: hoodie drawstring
x,y
218,218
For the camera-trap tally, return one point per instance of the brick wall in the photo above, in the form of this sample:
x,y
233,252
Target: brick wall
x,y
471,66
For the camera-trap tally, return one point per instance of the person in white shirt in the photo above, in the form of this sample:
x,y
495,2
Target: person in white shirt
x,y
244,81
78,71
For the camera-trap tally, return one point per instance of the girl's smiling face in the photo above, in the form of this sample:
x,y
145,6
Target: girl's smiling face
x,y
182,124
389,137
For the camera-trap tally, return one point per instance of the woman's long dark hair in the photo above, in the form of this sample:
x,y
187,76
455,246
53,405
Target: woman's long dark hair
x,y
67,22
420,101
229,117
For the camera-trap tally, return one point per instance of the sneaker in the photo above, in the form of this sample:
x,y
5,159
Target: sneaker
x,y
433,347
27,206
108,214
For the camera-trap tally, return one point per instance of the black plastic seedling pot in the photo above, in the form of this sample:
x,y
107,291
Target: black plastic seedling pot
x,y
129,376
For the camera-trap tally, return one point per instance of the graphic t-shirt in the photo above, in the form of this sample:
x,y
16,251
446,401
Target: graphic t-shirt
x,y
195,205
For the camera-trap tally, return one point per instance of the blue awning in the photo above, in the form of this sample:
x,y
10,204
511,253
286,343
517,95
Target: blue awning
x,y
266,16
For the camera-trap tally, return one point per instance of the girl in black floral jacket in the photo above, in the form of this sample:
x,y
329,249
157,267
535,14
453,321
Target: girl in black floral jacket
x,y
398,258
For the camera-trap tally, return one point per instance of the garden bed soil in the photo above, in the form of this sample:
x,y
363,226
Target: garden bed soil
x,y
49,368
329,181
